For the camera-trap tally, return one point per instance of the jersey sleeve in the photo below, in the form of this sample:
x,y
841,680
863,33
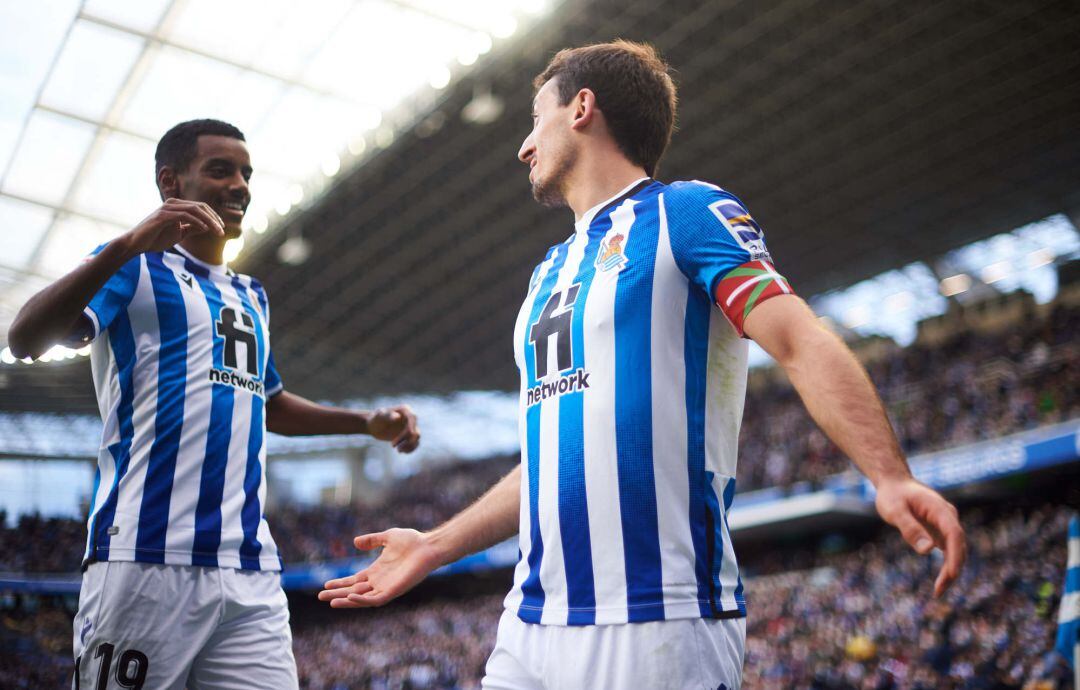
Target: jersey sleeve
x,y
720,248
271,379
114,296
273,382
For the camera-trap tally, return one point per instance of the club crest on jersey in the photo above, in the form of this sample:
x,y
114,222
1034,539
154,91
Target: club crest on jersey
x,y
742,227
611,256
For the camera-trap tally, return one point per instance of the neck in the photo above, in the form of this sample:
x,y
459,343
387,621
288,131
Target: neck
x,y
206,248
597,178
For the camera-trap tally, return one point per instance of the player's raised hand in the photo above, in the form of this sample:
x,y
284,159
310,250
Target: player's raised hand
x,y
406,559
174,220
395,424
925,519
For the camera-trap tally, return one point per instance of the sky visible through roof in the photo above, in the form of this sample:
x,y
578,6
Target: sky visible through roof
x,y
87,88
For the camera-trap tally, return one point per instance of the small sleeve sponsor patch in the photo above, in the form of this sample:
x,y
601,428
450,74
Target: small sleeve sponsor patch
x,y
745,287
742,227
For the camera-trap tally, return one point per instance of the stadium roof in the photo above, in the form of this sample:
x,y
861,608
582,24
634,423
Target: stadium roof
x,y
863,136
89,87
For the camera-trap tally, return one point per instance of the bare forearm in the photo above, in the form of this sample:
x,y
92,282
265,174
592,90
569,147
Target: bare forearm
x,y
292,415
492,519
50,315
842,400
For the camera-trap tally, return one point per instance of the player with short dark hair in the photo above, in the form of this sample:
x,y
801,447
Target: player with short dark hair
x,y
634,85
631,345
177,148
181,584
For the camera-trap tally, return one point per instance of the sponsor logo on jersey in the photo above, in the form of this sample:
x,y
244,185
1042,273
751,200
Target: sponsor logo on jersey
x,y
742,227
232,378
611,256
570,383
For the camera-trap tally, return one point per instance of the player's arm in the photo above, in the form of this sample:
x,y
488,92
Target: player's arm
x,y
292,415
842,400
56,313
408,556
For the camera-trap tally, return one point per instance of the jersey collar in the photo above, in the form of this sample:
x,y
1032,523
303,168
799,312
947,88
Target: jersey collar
x,y
586,219
213,268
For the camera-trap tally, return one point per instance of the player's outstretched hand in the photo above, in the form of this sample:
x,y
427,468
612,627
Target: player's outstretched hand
x,y
406,559
925,519
396,424
174,220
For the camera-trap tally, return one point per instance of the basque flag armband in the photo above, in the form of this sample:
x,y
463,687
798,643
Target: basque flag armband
x,y
747,286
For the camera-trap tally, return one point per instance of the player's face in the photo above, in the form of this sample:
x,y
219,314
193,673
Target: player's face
x,y
219,177
549,150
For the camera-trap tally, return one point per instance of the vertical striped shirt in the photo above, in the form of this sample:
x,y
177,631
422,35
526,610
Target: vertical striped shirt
x,y
182,367
633,375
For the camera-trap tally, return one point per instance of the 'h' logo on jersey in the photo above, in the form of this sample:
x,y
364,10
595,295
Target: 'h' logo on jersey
x,y
611,256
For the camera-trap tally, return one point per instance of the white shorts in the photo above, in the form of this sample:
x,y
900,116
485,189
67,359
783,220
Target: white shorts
x,y
169,627
687,654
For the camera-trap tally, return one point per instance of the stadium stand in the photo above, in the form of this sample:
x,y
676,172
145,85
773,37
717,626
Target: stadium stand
x,y
845,611
970,385
848,613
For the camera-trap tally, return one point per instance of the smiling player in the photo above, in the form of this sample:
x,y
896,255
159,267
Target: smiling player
x,y
181,584
632,352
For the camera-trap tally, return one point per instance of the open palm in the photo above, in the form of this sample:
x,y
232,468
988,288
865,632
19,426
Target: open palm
x,y
406,559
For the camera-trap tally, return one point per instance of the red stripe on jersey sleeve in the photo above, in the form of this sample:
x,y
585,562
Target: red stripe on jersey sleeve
x,y
747,286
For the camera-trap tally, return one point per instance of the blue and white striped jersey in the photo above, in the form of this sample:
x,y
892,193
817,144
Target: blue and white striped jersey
x,y
632,389
182,367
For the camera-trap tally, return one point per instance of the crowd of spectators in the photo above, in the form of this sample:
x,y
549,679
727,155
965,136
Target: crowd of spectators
x,y
859,618
41,544
436,644
422,501
303,533
862,619
969,388
865,620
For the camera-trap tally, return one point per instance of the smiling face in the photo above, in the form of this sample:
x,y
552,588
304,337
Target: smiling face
x,y
549,150
219,176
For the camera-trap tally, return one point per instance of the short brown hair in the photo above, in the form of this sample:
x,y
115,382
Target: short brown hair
x,y
633,89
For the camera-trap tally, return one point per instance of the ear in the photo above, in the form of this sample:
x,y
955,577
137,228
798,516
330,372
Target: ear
x,y
168,184
584,105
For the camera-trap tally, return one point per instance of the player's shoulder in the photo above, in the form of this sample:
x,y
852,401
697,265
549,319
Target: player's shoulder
x,y
248,281
128,271
694,195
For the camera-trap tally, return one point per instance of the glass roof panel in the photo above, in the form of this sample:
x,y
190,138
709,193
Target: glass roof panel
x,y
71,240
119,181
287,143
250,100
48,157
233,30
141,15
300,30
32,34
128,70
90,70
481,14
24,224
178,86
383,53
